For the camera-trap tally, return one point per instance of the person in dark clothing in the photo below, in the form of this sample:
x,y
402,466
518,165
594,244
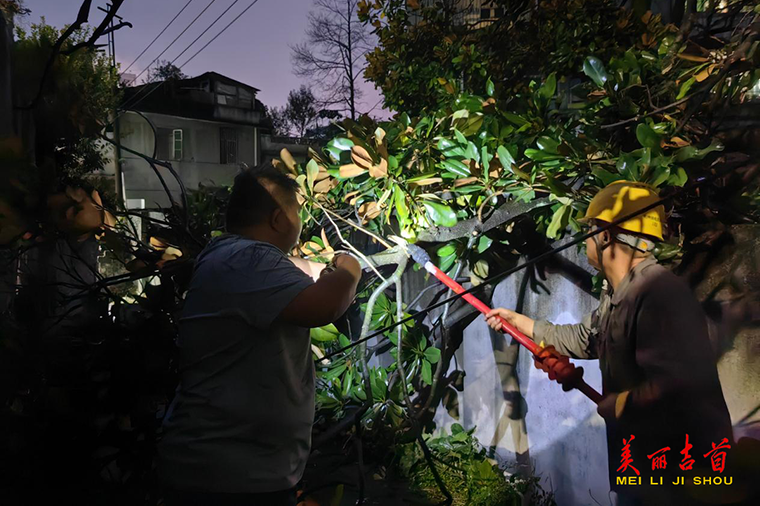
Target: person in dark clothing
x,y
239,428
659,376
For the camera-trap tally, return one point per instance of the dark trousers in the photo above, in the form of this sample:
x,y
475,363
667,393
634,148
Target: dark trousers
x,y
177,498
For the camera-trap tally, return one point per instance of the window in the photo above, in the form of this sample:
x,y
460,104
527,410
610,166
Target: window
x,y
177,144
228,145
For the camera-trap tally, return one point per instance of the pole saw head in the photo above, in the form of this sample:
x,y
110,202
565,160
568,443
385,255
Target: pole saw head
x,y
418,254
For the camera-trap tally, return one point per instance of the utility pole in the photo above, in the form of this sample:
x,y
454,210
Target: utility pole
x,y
118,176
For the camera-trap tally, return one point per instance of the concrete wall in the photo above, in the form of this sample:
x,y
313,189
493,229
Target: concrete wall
x,y
200,162
519,414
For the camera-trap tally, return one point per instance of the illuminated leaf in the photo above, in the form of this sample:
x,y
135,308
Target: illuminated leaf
x,y
441,214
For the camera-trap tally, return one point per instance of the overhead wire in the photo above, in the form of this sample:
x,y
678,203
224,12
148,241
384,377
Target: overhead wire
x,y
175,40
158,36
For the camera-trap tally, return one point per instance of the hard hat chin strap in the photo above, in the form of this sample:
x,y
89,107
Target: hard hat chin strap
x,y
635,242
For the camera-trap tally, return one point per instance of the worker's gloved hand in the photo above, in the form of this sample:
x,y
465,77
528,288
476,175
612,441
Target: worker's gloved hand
x,y
558,367
606,407
612,405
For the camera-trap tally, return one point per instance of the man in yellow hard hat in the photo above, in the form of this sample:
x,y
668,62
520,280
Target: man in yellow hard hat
x,y
659,377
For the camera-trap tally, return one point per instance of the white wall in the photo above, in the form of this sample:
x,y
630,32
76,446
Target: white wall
x,y
200,161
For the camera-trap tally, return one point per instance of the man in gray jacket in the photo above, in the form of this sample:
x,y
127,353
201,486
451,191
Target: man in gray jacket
x,y
660,383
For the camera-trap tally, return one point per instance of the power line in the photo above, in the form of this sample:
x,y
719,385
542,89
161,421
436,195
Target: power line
x,y
218,34
175,39
159,35
204,33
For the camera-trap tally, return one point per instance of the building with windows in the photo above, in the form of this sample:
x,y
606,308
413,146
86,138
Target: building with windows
x,y
206,127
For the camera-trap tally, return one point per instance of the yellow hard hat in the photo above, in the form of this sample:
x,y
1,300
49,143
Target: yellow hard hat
x,y
623,198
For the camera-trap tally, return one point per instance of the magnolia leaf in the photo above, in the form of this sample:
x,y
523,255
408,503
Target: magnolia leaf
x,y
460,137
464,181
379,135
325,185
311,248
505,157
647,137
369,211
341,144
426,181
692,57
484,243
432,354
289,161
605,176
489,87
427,373
379,170
441,214
692,153
594,68
547,144
660,175
325,334
351,170
549,87
456,167
159,244
685,87
559,221
312,169
361,157
679,178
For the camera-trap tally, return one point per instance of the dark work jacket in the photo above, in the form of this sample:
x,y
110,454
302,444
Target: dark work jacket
x,y
650,336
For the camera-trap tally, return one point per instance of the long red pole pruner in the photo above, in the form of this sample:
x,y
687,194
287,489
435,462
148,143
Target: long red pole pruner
x,y
421,257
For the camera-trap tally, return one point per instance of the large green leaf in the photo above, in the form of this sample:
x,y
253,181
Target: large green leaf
x,y
427,372
559,221
540,156
647,137
605,176
433,354
456,167
441,214
549,87
324,334
692,153
489,87
594,68
547,144
505,157
685,87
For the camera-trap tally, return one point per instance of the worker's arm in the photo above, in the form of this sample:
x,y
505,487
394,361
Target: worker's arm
x,y
311,269
572,340
326,300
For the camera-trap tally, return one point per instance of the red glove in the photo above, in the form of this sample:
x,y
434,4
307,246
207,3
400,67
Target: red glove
x,y
558,367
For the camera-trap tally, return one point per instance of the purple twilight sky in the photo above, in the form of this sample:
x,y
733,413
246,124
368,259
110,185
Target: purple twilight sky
x,y
254,50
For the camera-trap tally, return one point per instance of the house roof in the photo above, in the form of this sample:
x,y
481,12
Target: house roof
x,y
196,98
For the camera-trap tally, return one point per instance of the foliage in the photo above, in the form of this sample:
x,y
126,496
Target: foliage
x,y
428,51
464,467
78,97
333,54
276,117
300,113
165,71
